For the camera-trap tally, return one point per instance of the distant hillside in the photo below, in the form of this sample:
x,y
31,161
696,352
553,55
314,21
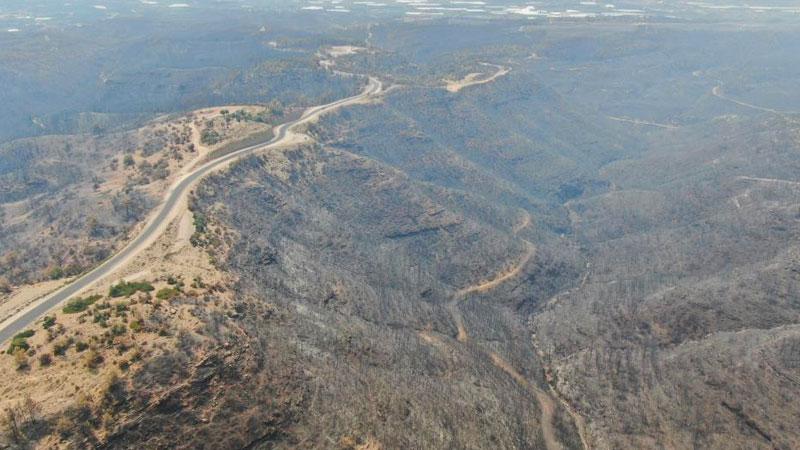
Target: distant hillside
x,y
113,74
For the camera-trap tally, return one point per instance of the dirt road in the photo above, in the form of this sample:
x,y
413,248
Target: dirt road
x,y
473,79
716,91
502,276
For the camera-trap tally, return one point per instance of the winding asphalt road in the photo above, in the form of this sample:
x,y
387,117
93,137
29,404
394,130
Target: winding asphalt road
x,y
157,224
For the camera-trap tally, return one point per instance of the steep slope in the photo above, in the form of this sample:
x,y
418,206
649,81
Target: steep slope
x,y
684,333
362,262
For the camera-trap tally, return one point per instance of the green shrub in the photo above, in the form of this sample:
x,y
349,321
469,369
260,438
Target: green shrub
x,y
20,341
167,293
56,273
81,346
209,137
200,222
125,289
48,322
26,334
136,326
101,318
60,348
77,305
61,272
121,308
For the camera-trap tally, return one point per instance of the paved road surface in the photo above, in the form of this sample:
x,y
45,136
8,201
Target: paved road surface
x,y
165,214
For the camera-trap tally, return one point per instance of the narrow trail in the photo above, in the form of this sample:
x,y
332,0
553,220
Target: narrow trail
x,y
431,339
643,122
502,276
545,401
473,79
771,180
455,313
580,422
584,278
497,280
716,91
524,223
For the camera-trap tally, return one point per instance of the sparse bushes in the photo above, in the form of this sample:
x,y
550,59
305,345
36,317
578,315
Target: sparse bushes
x,y
121,309
157,171
197,283
131,203
113,392
60,348
79,304
58,272
17,421
210,137
101,317
20,359
77,419
125,289
54,331
64,427
271,113
92,359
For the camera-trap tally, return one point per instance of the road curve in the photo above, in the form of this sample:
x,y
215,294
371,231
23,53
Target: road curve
x,y
716,91
168,209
